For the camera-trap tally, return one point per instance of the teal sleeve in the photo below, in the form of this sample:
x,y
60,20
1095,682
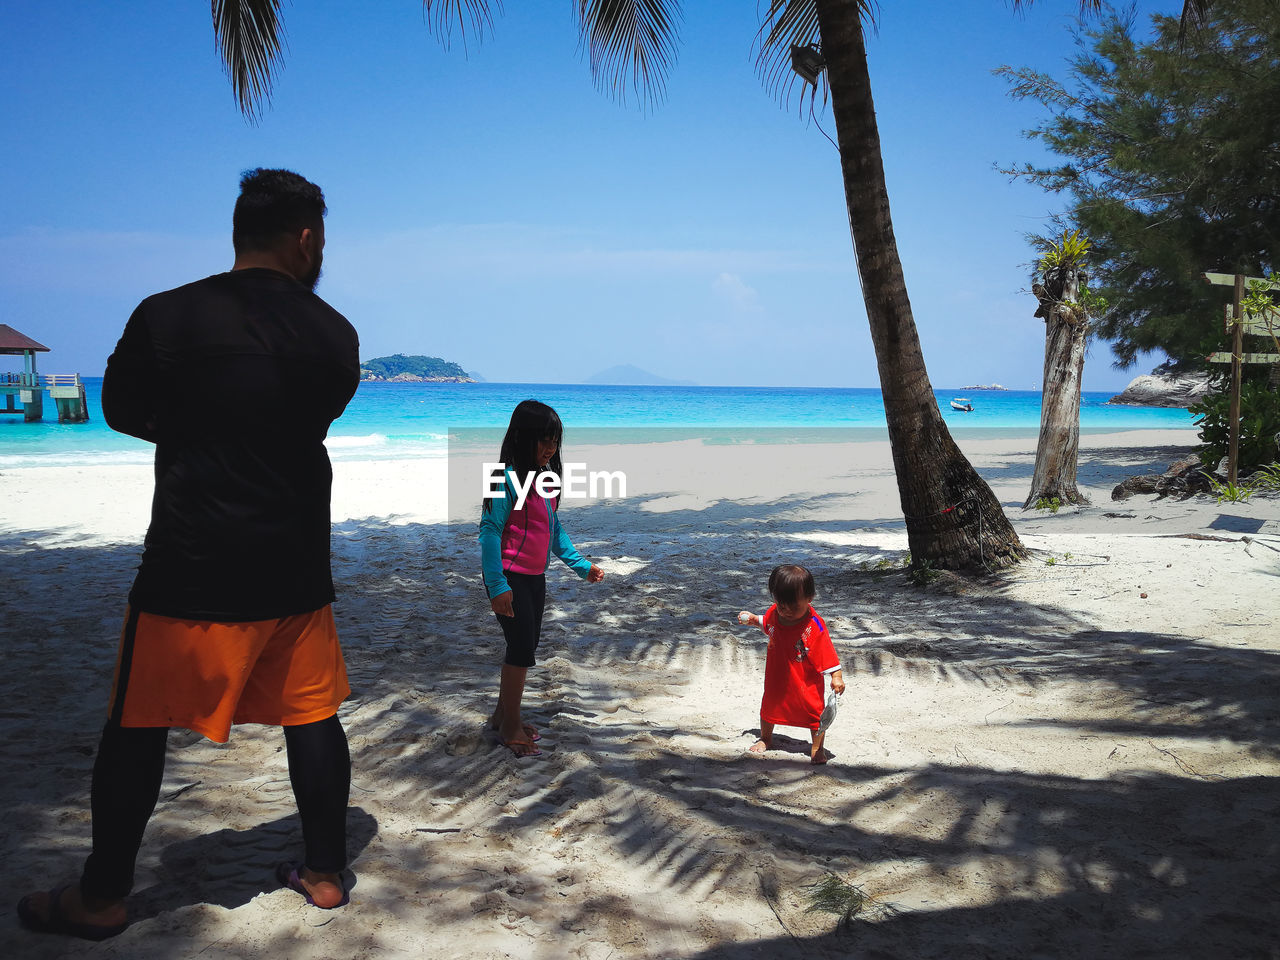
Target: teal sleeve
x,y
563,548
492,522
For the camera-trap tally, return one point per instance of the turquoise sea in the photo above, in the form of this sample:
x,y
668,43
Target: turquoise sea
x,y
394,420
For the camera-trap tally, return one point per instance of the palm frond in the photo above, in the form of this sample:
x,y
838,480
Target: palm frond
x,y
1088,8
784,24
631,45
469,16
1195,13
250,37
833,894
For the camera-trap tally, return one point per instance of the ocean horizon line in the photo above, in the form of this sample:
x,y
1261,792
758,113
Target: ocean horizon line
x,y
809,388
421,419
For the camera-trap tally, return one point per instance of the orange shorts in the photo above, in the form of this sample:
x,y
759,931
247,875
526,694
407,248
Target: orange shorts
x,y
205,676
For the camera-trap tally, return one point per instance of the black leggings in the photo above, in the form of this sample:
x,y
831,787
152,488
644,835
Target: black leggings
x,y
528,597
126,785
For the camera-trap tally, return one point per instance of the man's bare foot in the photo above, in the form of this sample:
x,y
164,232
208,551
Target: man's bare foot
x,y
760,746
821,755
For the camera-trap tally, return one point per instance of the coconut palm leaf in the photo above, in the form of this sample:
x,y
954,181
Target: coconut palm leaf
x,y
631,44
1195,13
788,23
469,16
1087,7
250,36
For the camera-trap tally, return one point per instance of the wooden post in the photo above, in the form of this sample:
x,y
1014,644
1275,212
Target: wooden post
x,y
1237,348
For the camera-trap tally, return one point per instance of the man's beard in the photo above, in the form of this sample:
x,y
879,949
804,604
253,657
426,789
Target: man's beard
x,y
312,277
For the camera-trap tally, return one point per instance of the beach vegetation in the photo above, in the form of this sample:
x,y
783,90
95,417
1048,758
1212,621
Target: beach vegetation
x,y
1267,477
630,47
924,573
1165,151
1257,445
1052,504
1228,492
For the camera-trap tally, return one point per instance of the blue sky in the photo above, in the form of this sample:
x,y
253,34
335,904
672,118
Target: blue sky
x,y
488,205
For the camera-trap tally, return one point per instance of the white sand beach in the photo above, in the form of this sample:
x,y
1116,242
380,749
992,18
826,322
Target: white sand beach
x,y
1075,758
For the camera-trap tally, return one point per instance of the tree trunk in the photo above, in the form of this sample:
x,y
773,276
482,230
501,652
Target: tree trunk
x,y
1057,453
953,519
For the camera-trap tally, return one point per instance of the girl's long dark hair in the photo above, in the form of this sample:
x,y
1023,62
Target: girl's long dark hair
x,y
531,422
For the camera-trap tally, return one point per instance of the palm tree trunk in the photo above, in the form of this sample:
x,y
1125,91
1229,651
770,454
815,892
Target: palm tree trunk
x,y
953,519
1057,453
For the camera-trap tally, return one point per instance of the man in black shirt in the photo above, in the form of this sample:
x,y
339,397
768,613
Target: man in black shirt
x,y
235,379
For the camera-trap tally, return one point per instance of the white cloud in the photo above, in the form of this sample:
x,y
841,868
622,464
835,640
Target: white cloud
x,y
733,289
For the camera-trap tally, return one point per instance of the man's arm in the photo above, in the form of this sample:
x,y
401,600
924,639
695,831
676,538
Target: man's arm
x,y
128,386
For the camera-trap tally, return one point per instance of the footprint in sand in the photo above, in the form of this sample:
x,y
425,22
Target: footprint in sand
x,y
462,744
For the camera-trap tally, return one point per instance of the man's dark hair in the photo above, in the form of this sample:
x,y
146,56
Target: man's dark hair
x,y
271,203
789,582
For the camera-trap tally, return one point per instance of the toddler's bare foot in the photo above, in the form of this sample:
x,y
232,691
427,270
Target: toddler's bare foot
x,y
760,746
820,756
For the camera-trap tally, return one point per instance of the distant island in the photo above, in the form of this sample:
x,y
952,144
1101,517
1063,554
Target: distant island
x,y
402,369
633,376
989,386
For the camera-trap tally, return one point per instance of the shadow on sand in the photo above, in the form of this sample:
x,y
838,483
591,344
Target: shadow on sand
x,y
1124,866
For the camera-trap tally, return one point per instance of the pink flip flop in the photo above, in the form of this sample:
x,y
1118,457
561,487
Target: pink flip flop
x,y
515,745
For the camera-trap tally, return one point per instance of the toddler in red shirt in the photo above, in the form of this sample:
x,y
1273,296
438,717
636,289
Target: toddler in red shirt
x,y
800,655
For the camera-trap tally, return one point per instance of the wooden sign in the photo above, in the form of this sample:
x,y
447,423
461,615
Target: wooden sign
x,y
1229,280
1261,324
1264,324
1236,357
1226,357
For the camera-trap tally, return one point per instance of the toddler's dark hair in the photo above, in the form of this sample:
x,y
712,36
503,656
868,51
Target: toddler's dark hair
x,y
789,582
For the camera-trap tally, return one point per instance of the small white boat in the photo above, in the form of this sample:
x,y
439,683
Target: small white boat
x,y
962,403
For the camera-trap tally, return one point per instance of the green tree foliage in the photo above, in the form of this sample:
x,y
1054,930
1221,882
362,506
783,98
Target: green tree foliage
x,y
1259,426
1170,155
428,368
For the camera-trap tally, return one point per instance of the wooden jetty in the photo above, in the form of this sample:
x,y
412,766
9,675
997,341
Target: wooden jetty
x,y
28,387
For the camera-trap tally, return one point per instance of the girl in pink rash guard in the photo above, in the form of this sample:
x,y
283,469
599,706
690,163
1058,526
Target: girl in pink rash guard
x,y
516,543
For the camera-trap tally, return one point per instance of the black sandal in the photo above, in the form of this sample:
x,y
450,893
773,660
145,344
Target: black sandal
x,y
59,922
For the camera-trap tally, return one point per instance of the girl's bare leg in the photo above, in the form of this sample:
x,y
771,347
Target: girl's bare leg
x,y
766,737
510,694
817,754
